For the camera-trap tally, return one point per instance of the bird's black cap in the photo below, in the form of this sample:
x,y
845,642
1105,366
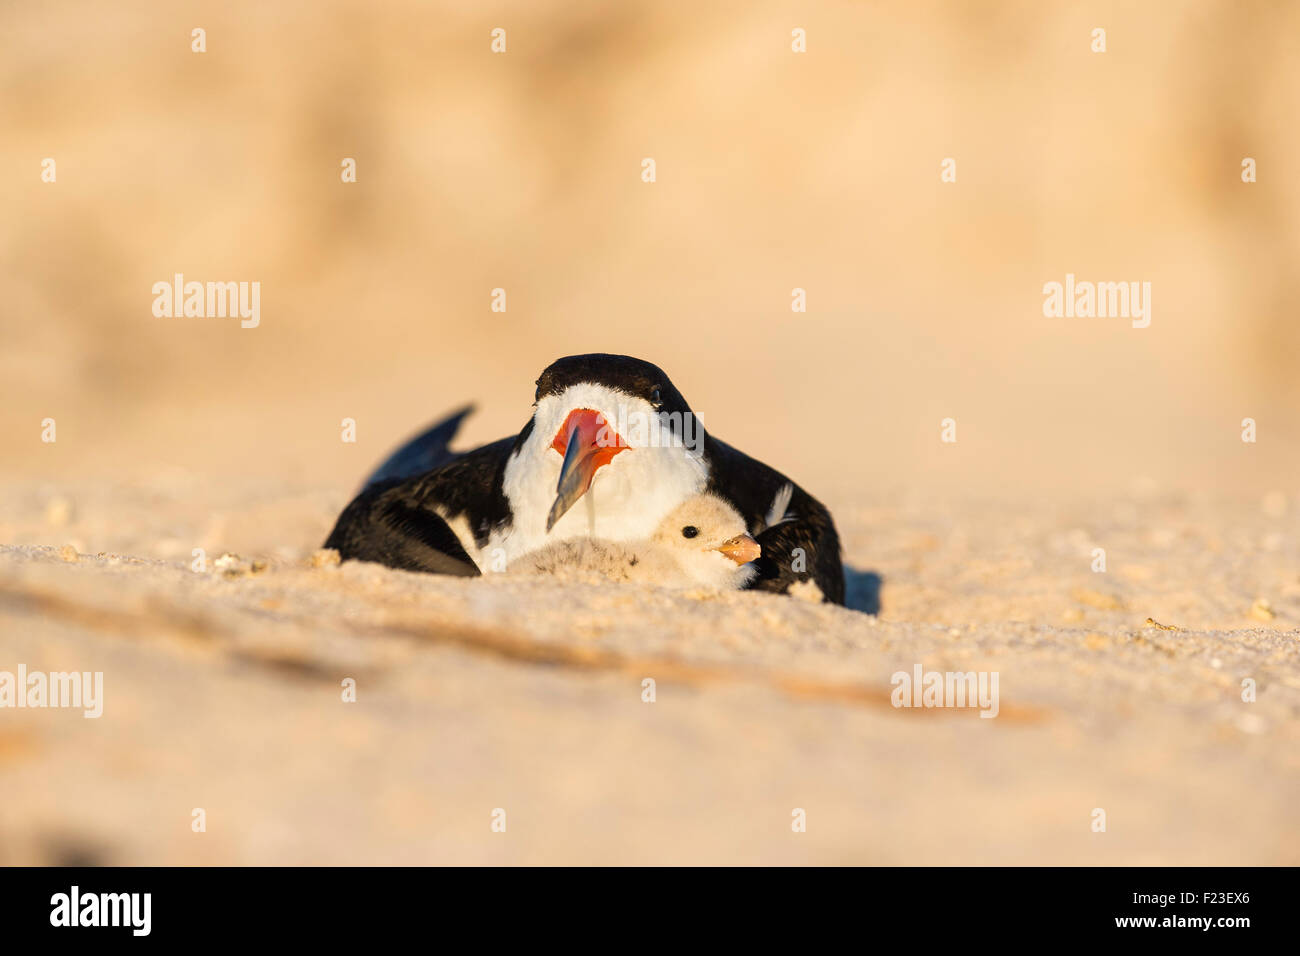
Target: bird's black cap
x,y
623,372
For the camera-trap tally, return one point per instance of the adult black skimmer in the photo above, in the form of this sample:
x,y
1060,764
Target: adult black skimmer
x,y
612,448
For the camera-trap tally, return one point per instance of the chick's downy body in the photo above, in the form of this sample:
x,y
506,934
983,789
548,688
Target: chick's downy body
x,y
701,543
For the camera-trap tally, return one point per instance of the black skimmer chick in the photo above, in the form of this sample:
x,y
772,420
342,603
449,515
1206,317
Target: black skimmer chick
x,y
703,542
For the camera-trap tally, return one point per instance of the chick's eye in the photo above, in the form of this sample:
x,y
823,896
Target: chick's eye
x,y
690,531
654,397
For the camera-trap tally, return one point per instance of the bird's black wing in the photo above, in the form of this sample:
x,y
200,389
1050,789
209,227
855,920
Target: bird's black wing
x,y
399,522
423,453
802,547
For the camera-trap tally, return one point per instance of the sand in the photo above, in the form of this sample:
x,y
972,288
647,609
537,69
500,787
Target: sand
x,y
224,691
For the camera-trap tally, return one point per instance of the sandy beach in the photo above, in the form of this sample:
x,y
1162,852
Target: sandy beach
x,y
223,691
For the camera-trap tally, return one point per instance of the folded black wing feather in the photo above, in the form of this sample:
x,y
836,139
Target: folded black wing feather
x,y
399,522
424,452
806,546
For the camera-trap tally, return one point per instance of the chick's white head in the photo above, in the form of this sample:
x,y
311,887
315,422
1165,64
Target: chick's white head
x,y
710,542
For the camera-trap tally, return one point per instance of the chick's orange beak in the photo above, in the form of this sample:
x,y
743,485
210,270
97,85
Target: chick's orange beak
x,y
587,441
742,549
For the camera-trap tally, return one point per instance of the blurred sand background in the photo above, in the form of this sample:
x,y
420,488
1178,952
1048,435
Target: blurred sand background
x,y
775,170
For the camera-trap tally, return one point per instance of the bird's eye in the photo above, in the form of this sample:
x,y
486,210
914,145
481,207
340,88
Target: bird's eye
x,y
655,399
690,531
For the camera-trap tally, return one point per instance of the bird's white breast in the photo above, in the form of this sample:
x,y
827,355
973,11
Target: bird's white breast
x,y
627,499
